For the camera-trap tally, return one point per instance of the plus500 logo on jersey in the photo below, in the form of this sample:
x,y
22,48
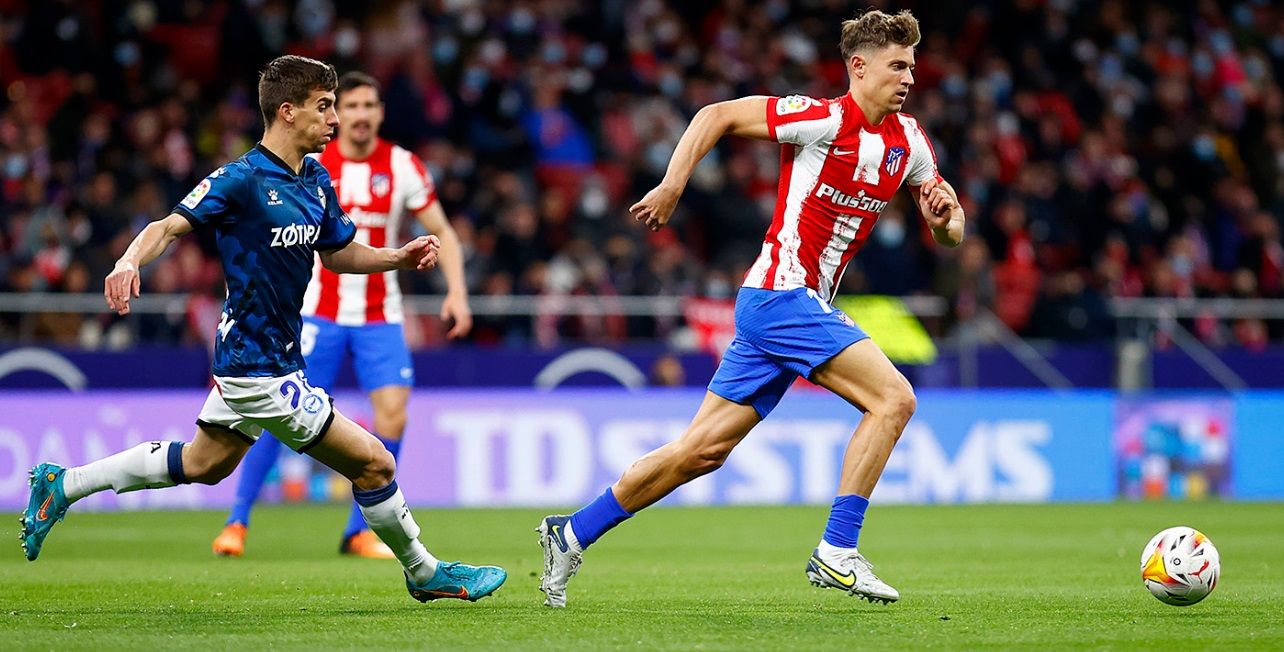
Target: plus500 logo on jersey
x,y
859,202
295,234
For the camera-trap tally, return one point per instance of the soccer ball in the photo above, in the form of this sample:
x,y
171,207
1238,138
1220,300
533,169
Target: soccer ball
x,y
1180,566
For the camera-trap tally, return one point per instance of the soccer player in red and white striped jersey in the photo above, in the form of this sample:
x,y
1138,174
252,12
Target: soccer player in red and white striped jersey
x,y
378,184
842,160
377,187
837,173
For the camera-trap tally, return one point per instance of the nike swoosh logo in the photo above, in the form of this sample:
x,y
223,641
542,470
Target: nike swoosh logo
x,y
556,532
43,514
460,593
848,580
844,152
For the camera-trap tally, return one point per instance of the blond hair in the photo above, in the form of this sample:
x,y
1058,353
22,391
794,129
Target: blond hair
x,y
876,29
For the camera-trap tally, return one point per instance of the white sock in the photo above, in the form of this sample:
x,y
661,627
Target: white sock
x,y
391,519
145,466
571,539
830,554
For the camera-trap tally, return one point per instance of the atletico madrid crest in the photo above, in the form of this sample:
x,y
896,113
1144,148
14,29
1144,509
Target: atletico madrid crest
x,y
380,184
894,157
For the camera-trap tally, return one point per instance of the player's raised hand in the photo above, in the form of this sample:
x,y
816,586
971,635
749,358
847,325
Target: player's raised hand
x,y
456,307
420,253
656,207
121,285
936,202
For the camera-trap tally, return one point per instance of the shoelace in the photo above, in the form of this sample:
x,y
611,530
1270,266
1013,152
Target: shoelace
x,y
453,571
859,562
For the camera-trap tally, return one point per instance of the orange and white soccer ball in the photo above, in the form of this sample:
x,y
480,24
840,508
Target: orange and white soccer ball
x,y
1180,566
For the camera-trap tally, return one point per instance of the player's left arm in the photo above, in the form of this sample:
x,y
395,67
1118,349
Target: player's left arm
x,y
940,206
451,261
342,254
357,258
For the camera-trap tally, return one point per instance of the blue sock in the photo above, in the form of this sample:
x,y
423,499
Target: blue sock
x,y
357,522
174,462
254,470
594,519
372,497
845,519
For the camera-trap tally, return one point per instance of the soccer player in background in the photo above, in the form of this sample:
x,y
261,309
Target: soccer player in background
x,y
271,211
377,184
842,160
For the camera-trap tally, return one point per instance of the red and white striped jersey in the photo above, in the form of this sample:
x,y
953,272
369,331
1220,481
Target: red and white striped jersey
x,y
376,192
837,174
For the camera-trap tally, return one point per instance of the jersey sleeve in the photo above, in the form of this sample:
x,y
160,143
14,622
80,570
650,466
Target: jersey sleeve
x,y
337,229
800,120
414,183
216,198
922,159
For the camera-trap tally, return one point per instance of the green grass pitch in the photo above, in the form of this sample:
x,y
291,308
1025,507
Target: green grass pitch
x,y
976,576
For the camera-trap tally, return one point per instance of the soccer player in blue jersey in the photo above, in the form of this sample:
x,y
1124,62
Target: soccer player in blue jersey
x,y
270,211
842,161
378,184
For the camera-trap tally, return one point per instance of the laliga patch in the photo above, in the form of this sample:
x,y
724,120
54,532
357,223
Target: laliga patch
x,y
197,194
794,104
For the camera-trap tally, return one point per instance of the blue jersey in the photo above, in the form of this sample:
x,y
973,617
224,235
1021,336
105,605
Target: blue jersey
x,y
267,221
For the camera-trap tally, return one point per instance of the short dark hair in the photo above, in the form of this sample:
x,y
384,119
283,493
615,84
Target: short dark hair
x,y
876,29
292,78
354,80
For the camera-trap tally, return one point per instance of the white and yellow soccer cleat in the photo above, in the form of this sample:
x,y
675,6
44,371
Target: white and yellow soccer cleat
x,y
851,573
561,560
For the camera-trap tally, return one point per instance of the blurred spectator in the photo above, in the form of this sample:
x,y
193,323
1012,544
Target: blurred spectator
x,y
968,279
1070,310
1102,149
667,371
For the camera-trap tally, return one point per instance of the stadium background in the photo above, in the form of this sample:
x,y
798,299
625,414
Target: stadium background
x,y
1122,169
1104,349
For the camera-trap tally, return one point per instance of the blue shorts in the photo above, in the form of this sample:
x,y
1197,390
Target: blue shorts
x,y
780,335
379,353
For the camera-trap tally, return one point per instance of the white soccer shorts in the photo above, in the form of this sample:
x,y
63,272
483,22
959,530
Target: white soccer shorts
x,y
287,407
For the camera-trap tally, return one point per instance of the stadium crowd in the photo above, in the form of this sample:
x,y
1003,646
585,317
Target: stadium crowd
x,y
1101,150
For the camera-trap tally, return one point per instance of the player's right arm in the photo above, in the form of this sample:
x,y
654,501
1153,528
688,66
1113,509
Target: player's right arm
x,y
745,117
122,283
211,202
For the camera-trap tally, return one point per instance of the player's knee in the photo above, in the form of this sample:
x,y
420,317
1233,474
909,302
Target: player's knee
x,y
391,424
706,458
379,471
901,405
209,471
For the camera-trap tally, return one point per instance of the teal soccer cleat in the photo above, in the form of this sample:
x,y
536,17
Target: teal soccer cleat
x,y
46,506
460,581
